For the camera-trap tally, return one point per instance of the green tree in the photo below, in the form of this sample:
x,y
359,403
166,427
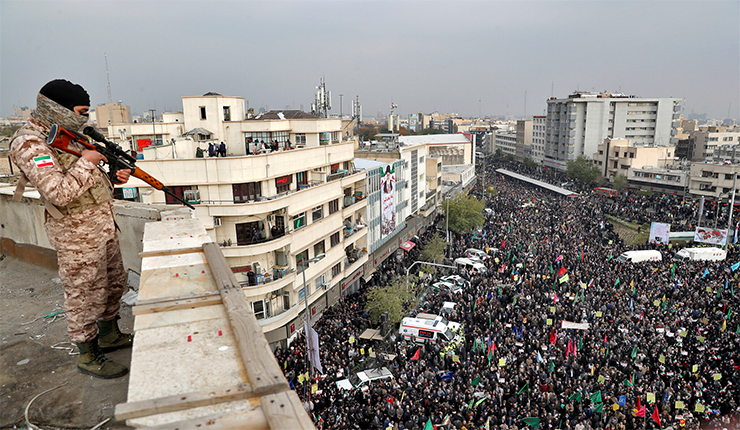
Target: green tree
x,y
391,298
433,251
465,213
584,170
619,182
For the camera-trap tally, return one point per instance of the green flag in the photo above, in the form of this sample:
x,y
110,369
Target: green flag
x,y
490,355
610,257
580,344
634,352
552,367
616,282
595,397
470,405
551,269
598,408
479,402
429,425
576,397
475,381
532,421
524,389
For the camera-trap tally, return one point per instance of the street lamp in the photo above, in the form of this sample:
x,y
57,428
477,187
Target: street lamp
x,y
305,264
424,262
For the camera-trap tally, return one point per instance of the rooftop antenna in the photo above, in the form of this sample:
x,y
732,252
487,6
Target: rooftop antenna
x,y
107,76
322,104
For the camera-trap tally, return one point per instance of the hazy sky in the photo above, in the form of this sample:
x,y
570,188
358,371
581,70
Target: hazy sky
x,y
468,57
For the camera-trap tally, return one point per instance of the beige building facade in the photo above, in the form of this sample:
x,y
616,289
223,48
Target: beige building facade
x,y
615,157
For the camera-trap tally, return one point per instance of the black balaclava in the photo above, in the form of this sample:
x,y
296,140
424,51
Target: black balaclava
x,y
56,101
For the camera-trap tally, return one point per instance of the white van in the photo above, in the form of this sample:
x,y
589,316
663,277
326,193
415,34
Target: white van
x,y
470,265
360,379
425,330
701,254
472,252
639,256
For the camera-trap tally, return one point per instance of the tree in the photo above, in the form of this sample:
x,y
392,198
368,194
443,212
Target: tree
x,y
583,169
465,213
390,298
433,251
619,182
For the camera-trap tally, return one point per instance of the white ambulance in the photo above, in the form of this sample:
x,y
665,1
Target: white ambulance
x,y
422,330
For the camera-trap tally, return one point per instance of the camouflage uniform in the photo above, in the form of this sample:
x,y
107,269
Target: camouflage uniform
x,y
83,233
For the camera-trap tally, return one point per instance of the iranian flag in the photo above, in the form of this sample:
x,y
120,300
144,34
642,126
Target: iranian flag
x,y
43,161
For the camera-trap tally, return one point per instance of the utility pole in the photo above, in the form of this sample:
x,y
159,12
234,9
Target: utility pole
x,y
154,131
341,104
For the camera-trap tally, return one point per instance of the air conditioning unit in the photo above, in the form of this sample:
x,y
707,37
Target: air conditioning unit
x,y
282,258
217,221
191,196
324,286
256,268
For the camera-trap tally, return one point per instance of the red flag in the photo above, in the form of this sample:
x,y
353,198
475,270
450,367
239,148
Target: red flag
x,y
555,298
641,315
640,409
605,339
562,271
553,337
503,244
569,348
416,356
655,416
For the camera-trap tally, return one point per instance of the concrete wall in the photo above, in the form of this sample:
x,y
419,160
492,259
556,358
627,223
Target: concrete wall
x,y
22,233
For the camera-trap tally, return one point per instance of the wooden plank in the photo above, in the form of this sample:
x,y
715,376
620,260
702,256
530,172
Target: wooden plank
x,y
263,369
176,298
176,304
170,252
285,411
181,402
253,419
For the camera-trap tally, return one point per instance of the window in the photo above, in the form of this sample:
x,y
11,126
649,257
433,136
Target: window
x,y
317,213
283,183
249,232
300,260
299,221
286,300
334,168
336,270
300,138
318,248
246,192
227,113
261,309
319,282
202,112
334,239
301,178
333,206
178,191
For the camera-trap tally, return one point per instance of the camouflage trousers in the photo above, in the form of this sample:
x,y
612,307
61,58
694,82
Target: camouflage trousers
x,y
90,267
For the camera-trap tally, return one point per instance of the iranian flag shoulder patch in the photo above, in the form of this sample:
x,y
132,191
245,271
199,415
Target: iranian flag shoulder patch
x,y
44,161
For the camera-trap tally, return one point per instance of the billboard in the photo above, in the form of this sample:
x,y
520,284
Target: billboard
x,y
710,235
388,201
660,233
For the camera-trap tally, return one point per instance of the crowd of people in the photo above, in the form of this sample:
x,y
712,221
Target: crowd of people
x,y
645,345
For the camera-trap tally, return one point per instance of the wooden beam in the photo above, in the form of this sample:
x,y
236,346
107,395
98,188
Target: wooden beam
x,y
172,305
180,402
285,411
263,370
253,419
170,252
176,298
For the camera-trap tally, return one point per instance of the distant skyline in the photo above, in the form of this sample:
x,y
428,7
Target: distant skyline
x,y
469,57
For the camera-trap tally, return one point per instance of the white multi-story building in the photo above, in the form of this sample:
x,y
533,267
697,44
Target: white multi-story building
x,y
506,142
578,124
274,211
538,138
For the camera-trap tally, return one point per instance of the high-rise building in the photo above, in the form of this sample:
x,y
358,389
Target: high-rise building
x,y
538,138
112,113
578,124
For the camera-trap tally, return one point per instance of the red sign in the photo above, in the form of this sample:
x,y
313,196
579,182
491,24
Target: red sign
x,y
143,143
282,180
292,328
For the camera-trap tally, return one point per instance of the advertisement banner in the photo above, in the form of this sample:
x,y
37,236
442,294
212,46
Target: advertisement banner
x,y
710,235
388,201
660,233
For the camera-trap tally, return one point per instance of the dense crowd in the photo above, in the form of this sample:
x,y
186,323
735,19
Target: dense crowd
x,y
662,342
